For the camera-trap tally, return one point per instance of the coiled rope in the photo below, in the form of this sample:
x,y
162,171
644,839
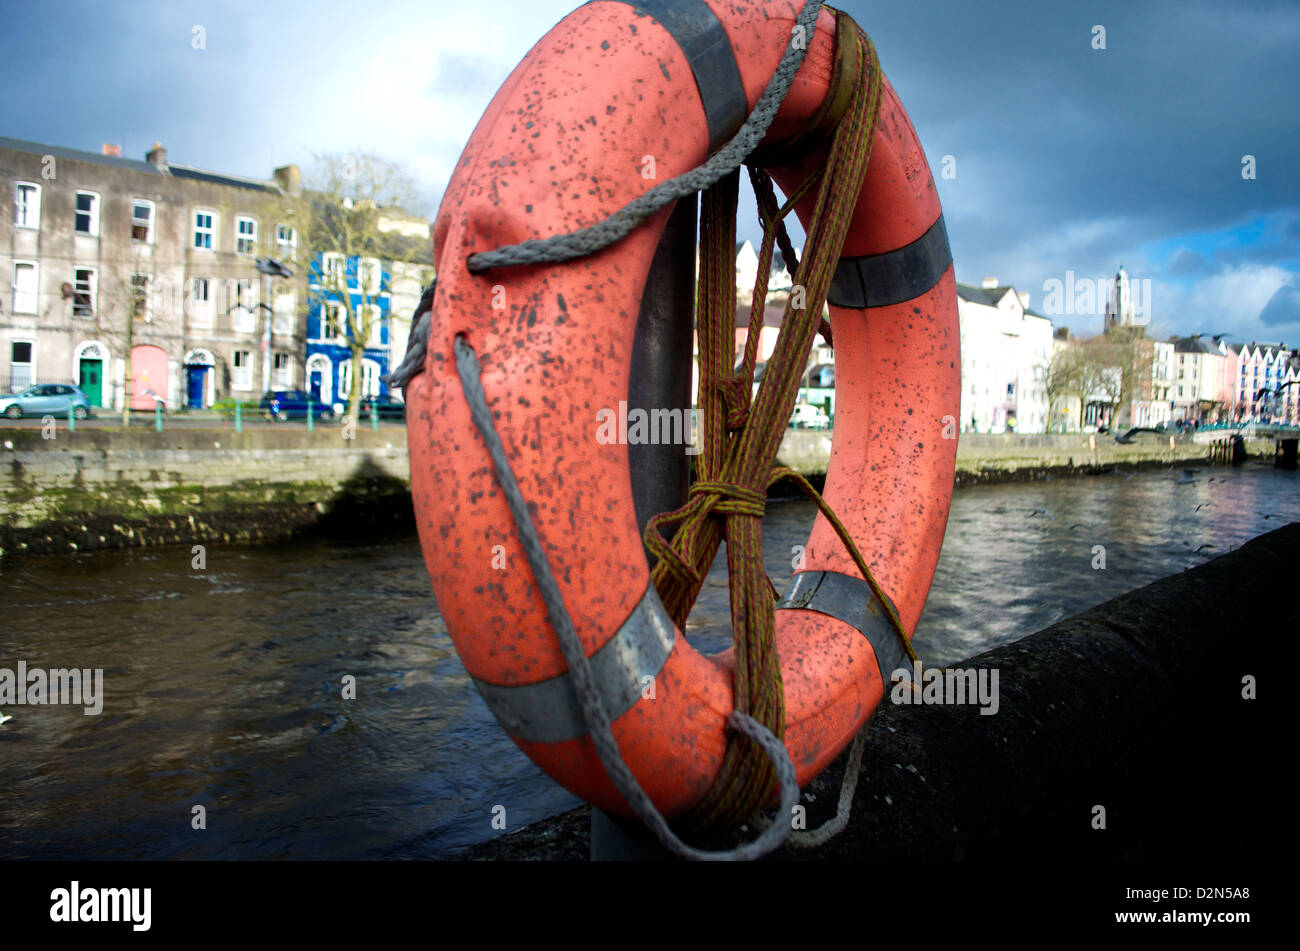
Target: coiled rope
x,y
735,471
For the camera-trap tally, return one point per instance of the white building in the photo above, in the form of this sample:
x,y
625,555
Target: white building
x,y
1005,351
1156,408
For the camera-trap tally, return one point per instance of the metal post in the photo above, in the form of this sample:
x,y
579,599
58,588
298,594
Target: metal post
x,y
374,415
311,413
157,416
72,418
239,416
661,379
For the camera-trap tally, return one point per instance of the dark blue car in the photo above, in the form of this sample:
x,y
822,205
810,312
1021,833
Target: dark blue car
x,y
293,404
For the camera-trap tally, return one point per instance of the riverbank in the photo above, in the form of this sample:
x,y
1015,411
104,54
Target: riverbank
x,y
111,488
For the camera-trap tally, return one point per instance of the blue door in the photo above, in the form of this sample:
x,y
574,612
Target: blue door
x,y
196,386
316,382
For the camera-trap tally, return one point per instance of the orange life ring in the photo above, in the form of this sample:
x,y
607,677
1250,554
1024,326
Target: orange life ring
x,y
561,145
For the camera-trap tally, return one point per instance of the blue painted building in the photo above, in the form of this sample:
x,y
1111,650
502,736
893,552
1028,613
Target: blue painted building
x,y
329,351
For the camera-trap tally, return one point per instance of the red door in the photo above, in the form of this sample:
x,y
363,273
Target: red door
x,y
148,375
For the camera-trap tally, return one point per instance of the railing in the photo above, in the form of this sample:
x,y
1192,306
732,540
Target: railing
x,y
20,380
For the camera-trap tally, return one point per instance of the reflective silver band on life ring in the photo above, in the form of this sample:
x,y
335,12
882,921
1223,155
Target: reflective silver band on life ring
x,y
878,280
548,712
848,598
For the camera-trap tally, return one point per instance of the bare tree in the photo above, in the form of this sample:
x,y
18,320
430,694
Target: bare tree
x,y
1123,360
342,220
131,291
1065,376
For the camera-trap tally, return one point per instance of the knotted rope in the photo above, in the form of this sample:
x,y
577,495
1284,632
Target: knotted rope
x,y
740,439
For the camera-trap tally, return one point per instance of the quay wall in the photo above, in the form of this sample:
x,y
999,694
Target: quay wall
x,y
106,488
100,488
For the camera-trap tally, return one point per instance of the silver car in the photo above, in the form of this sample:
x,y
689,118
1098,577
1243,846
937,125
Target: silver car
x,y
46,399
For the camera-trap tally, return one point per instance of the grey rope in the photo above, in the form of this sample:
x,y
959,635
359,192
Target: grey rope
x,y
593,238
593,711
589,240
417,342
832,827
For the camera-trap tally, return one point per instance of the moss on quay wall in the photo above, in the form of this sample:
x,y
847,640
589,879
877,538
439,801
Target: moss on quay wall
x,y
249,511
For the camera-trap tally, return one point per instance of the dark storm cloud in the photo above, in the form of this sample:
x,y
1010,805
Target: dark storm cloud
x,y
1127,146
1067,157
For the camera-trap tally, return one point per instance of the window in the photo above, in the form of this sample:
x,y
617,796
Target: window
x,y
245,294
332,270
369,379
20,366
201,302
286,241
87,220
331,321
345,380
25,287
140,308
205,229
27,205
245,235
242,317
286,306
83,293
283,374
242,377
370,275
142,220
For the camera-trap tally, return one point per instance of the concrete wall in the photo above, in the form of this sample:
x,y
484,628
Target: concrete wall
x,y
103,489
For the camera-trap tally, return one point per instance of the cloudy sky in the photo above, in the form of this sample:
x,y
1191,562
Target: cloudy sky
x,y
1067,158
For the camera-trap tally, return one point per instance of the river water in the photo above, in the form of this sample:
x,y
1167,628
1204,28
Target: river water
x,y
222,686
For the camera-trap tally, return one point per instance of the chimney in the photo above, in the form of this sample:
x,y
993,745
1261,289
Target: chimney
x,y
113,151
157,157
1024,299
990,283
289,178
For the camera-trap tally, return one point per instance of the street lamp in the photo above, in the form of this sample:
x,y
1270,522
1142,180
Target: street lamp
x,y
269,268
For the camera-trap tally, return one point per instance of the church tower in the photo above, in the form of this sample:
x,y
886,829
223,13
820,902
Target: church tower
x,y
1119,305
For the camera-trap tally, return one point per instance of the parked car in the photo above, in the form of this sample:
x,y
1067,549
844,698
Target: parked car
x,y
292,404
46,399
388,409
808,416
